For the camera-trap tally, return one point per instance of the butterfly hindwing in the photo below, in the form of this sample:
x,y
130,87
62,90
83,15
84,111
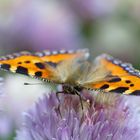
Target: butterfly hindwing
x,y
121,77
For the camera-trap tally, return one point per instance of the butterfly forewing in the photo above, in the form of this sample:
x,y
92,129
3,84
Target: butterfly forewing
x,y
58,56
41,65
27,65
121,77
69,67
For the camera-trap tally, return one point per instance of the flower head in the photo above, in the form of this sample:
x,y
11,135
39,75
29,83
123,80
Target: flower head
x,y
103,117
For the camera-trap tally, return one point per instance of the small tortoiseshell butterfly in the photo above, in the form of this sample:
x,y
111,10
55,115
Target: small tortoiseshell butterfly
x,y
74,72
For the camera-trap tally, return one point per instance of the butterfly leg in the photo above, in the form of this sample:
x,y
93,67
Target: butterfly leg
x,y
76,92
57,96
80,98
73,90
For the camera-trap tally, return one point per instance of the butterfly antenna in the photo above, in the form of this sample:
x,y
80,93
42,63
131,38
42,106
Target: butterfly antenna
x,y
33,83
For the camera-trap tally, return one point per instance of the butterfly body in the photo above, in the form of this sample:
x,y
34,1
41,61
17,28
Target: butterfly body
x,y
69,89
75,72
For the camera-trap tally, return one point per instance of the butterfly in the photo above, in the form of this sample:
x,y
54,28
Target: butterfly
x,y
75,72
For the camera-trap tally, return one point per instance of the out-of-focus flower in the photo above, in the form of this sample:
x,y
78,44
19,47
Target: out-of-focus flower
x,y
134,104
6,122
6,125
18,97
37,25
7,10
44,25
91,9
103,117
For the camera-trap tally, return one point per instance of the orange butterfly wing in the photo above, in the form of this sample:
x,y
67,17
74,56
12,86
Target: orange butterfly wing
x,y
39,65
123,79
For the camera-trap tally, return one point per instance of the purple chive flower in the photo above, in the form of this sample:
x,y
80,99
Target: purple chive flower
x,y
104,117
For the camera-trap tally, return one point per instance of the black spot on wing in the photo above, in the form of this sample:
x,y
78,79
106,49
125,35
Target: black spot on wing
x,y
128,81
116,79
136,92
40,65
104,87
38,74
22,70
131,85
119,89
27,62
19,62
5,66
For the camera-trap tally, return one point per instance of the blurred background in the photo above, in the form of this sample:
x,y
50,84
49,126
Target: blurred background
x,y
103,26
